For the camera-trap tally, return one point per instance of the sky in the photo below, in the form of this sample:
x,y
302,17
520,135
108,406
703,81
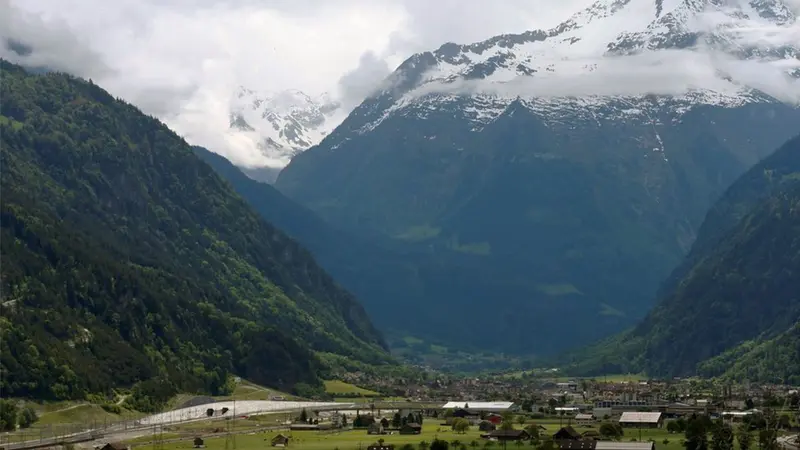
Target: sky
x,y
181,60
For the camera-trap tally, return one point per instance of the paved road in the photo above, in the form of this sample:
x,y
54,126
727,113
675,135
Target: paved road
x,y
182,415
789,442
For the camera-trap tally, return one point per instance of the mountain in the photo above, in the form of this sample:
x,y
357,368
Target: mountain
x,y
368,268
536,189
281,124
126,261
732,308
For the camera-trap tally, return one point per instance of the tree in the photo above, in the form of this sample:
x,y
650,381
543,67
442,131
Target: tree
x,y
27,417
8,415
768,439
439,444
673,427
744,437
521,420
397,421
721,436
385,423
508,422
533,431
303,416
344,421
424,445
210,412
411,418
608,431
460,425
696,434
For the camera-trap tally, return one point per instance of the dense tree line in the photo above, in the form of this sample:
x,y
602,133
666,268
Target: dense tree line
x,y
126,261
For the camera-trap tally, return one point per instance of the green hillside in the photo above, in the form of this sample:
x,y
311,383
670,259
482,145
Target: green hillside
x,y
733,308
126,259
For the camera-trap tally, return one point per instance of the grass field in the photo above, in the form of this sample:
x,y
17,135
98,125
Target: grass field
x,y
359,439
337,387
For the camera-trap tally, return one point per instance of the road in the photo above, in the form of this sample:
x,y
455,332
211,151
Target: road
x,y
145,425
789,442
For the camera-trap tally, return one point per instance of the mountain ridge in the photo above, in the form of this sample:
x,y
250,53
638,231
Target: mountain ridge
x,y
281,124
731,309
128,262
541,201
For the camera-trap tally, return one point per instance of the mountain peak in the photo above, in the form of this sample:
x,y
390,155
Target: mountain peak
x,y
282,123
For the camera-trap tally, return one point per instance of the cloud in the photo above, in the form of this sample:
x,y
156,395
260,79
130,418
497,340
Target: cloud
x,y
182,60
359,83
665,72
27,39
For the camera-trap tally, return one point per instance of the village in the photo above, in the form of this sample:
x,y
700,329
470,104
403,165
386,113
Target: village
x,y
532,412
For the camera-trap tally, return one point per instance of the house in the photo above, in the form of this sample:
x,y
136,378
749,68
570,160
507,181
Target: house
x,y
115,446
567,434
591,434
507,435
590,444
198,442
495,418
471,416
411,428
572,444
375,428
280,441
619,445
641,419
486,426
584,419
497,407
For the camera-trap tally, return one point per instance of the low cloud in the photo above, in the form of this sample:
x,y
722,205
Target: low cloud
x,y
182,60
27,39
359,83
666,72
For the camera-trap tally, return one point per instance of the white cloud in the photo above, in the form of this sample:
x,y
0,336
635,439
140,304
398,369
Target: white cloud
x,y
181,60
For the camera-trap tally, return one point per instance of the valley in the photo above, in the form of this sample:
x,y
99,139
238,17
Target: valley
x,y
582,236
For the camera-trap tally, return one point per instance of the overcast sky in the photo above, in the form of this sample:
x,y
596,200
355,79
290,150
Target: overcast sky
x,y
155,46
181,59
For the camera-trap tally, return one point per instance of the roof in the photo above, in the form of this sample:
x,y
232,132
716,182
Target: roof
x,y
640,417
591,444
570,431
487,406
576,444
614,445
117,445
510,433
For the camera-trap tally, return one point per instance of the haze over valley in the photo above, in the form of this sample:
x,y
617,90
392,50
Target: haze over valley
x,y
485,218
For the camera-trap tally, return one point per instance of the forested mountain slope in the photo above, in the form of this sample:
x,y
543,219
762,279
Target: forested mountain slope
x,y
127,258
733,308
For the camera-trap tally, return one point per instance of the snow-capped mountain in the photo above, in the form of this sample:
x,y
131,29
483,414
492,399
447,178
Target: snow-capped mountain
x,y
284,123
555,173
687,50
